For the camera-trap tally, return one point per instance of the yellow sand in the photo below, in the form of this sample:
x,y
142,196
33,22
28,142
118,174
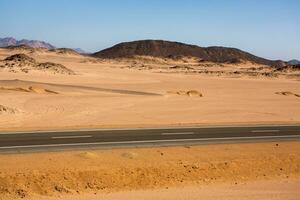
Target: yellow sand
x,y
102,171
226,99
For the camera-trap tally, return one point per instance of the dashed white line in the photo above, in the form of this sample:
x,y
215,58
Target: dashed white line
x,y
265,131
182,133
71,136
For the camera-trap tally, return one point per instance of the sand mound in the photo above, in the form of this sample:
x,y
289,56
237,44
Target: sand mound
x,y
287,93
88,155
65,51
7,110
194,93
32,89
289,68
20,58
17,89
41,90
190,93
129,155
24,63
55,68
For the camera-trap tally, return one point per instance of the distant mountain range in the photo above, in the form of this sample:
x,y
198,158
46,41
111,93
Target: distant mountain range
x,y
168,49
163,49
81,51
294,62
10,41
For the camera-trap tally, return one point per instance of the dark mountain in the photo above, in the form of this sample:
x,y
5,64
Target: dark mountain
x,y
167,49
294,62
9,41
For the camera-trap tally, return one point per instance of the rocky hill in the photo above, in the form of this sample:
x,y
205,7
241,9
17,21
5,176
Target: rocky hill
x,y
24,63
167,49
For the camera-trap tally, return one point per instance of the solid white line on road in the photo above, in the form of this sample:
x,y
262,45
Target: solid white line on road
x,y
155,141
71,137
265,131
182,133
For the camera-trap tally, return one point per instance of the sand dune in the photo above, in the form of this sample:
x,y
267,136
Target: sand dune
x,y
29,89
39,87
189,93
7,110
41,90
287,93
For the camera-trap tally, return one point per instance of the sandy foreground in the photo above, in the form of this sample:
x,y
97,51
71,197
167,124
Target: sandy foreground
x,y
263,170
111,94
259,190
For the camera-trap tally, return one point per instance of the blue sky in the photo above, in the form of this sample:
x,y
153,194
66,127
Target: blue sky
x,y
268,28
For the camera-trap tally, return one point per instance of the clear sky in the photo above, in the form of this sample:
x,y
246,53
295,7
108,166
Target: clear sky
x,y
268,28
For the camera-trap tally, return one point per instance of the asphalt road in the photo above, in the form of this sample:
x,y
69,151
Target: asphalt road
x,y
111,138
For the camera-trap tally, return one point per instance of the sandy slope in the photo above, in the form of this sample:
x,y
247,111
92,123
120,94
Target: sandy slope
x,y
102,171
90,99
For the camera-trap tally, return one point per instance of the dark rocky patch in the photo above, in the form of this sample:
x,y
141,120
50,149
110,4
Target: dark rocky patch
x,y
20,58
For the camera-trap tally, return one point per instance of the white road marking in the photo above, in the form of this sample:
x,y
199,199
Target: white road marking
x,y
265,131
153,141
182,133
71,137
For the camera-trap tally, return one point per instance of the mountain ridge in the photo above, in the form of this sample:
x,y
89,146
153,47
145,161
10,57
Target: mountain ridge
x,y
10,41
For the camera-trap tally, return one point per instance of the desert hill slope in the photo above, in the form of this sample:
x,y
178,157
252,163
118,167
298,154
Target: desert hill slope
x,y
168,49
66,51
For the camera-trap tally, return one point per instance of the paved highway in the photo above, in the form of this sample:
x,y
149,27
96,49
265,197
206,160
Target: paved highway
x,y
111,138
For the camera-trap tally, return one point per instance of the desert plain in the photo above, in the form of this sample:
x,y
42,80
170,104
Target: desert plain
x,y
76,91
129,93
